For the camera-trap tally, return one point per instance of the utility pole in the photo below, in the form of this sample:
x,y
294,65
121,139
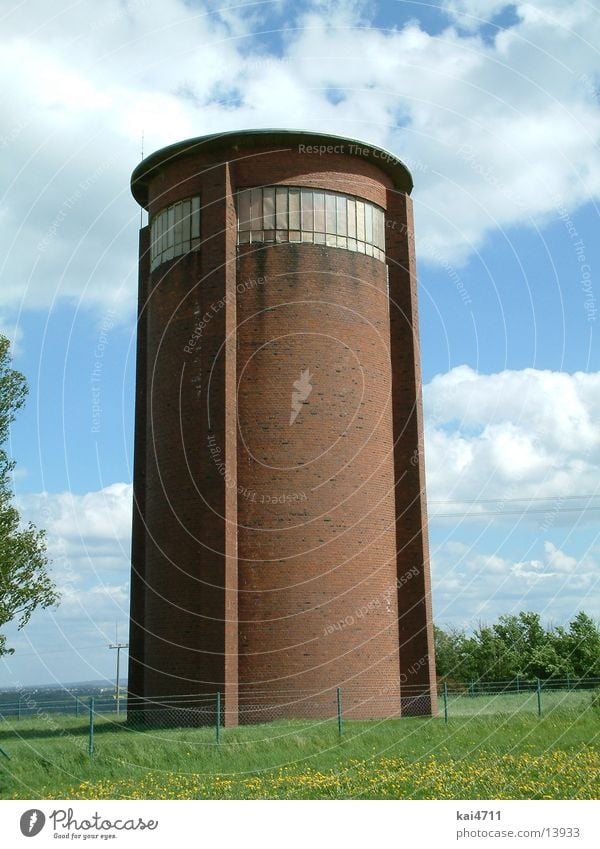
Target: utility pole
x,y
118,646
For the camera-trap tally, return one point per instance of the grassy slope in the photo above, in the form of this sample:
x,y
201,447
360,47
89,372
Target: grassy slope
x,y
477,756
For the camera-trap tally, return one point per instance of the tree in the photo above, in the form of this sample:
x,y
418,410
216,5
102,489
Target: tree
x,y
452,655
584,645
529,650
493,659
24,581
520,646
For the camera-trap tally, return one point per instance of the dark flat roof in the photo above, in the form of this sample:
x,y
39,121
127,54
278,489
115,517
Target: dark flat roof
x,y
383,159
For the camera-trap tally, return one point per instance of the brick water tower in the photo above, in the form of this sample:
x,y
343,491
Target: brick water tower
x,y
279,534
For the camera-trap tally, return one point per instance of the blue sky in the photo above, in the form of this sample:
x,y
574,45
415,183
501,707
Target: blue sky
x,y
496,109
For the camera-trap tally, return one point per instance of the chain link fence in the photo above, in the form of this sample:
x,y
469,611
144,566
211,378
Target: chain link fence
x,y
76,714
517,696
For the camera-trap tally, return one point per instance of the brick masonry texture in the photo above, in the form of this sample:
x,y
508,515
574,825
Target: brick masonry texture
x,y
276,560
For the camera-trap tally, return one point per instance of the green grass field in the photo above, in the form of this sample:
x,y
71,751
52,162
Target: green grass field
x,y
480,754
515,703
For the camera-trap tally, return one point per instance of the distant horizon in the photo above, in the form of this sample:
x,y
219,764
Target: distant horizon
x,y
97,683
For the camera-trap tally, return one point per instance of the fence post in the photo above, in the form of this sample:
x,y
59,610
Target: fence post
x,y
472,688
19,709
339,710
218,717
445,703
539,696
91,740
76,706
568,681
518,684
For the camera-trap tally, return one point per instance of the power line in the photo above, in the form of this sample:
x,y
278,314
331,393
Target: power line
x,y
503,500
60,651
525,512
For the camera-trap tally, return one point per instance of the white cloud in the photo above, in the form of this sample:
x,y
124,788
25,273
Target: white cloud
x,y
473,14
89,549
496,129
516,434
470,586
94,516
13,333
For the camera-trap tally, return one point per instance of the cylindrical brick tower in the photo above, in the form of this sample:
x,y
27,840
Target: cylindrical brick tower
x,y
279,533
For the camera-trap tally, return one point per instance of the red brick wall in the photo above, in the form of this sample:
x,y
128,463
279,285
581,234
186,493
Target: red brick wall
x,y
190,550
183,177
138,536
324,552
414,597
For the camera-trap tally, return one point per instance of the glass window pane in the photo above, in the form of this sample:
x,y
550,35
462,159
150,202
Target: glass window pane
x,y
294,201
256,216
378,227
153,240
195,217
368,223
319,211
360,221
170,226
329,213
269,207
178,224
186,222
162,239
159,234
164,226
342,222
281,214
299,214
244,209
352,218
307,210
